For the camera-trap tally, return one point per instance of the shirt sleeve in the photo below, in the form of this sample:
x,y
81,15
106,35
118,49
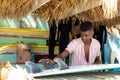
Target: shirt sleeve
x,y
98,50
71,46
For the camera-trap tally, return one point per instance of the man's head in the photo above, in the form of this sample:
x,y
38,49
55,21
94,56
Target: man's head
x,y
87,31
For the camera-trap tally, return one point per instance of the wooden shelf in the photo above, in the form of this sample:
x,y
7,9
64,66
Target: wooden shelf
x,y
35,49
24,32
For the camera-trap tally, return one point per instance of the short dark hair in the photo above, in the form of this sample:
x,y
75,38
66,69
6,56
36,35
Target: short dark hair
x,y
85,26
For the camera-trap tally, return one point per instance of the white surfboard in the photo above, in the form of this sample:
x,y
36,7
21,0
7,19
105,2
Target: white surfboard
x,y
75,69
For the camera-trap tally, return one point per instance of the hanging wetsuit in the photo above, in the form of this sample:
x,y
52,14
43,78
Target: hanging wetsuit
x,y
101,36
52,42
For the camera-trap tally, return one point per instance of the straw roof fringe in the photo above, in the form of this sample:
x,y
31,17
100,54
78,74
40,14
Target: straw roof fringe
x,y
63,9
15,8
96,11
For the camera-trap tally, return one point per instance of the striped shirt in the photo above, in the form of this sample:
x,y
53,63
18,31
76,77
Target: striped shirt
x,y
76,48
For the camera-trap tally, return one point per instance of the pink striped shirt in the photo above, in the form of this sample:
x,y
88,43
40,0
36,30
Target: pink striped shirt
x,y
76,48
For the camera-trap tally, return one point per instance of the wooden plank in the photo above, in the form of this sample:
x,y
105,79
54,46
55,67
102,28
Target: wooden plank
x,y
24,32
35,49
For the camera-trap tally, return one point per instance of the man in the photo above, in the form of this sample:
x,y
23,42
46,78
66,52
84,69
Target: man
x,y
85,50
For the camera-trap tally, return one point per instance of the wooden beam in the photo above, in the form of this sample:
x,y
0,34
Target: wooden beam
x,y
35,49
24,32
38,4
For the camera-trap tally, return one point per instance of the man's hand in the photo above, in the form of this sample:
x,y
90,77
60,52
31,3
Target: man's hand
x,y
47,63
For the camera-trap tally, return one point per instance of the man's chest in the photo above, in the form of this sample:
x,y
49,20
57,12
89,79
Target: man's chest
x,y
86,52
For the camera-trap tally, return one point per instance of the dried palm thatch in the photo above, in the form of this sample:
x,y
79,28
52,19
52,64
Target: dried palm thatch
x,y
96,16
14,8
109,8
60,9
56,9
115,30
98,11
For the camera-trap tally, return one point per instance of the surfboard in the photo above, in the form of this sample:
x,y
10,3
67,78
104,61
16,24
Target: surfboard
x,y
75,69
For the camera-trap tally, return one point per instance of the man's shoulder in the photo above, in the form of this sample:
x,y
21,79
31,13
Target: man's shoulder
x,y
77,40
95,41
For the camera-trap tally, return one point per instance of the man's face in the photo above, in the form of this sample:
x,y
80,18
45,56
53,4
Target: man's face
x,y
86,36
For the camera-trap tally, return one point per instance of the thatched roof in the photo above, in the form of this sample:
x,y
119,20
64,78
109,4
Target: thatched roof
x,y
92,10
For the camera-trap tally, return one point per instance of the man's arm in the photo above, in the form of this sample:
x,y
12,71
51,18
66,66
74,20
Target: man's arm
x,y
97,60
63,55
